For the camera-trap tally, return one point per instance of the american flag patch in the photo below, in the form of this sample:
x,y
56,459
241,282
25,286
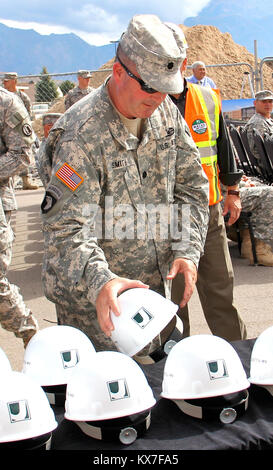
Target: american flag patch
x,y
69,176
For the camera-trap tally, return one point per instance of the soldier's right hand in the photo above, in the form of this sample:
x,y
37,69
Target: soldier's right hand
x,y
107,300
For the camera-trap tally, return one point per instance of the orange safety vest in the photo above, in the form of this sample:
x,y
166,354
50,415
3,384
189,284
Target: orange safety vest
x,y
203,106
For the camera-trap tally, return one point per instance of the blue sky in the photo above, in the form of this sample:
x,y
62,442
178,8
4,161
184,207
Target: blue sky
x,y
96,21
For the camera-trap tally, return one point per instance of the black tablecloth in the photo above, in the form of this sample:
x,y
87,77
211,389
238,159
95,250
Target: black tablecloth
x,y
172,430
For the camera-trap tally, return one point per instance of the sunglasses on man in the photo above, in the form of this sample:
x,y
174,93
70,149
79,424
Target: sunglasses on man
x,y
143,85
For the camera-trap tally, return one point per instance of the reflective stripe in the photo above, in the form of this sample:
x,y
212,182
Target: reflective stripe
x,y
205,110
209,160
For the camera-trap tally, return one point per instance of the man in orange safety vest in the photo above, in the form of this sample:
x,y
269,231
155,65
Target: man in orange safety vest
x,y
201,109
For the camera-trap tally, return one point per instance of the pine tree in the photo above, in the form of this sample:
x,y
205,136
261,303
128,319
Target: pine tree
x,y
46,89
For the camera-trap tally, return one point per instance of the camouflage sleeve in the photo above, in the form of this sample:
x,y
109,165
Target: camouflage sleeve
x,y
6,233
192,190
67,101
26,102
16,137
69,218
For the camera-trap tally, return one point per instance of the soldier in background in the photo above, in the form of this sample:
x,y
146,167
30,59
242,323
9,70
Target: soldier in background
x,y
16,139
10,84
79,91
42,163
261,120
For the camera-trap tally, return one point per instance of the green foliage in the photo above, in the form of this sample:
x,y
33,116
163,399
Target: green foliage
x,y
66,85
46,89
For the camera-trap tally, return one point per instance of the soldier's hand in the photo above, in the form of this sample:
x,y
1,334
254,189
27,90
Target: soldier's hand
x,y
107,300
189,270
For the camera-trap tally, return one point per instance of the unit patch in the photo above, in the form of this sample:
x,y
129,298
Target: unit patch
x,y
52,194
69,177
27,130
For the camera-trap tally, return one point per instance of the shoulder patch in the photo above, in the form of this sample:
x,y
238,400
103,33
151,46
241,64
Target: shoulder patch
x,y
27,130
69,177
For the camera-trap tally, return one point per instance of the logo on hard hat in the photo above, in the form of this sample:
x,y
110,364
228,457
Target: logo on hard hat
x,y
18,411
70,358
142,317
118,389
199,126
217,369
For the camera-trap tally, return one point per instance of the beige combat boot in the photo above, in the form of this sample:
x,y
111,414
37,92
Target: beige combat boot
x,y
263,250
27,184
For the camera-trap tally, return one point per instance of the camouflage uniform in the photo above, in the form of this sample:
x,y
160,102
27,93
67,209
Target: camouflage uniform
x,y
25,99
258,200
75,95
16,138
78,93
110,167
42,164
263,125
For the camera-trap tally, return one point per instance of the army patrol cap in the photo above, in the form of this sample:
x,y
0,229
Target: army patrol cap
x,y
50,118
10,76
151,45
84,74
179,37
264,95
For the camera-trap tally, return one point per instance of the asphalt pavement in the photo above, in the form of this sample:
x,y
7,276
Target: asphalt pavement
x,y
253,289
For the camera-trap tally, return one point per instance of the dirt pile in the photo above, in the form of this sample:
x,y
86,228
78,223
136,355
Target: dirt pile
x,y
209,44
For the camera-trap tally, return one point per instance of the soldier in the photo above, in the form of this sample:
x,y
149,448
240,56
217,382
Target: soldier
x,y
261,120
257,198
42,164
16,138
10,84
81,90
124,148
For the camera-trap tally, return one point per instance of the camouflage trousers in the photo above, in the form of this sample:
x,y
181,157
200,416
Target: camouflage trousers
x,y
258,200
15,316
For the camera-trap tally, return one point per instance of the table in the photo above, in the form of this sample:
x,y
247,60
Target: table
x,y
172,431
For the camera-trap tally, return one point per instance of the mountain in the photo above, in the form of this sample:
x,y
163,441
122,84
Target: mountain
x,y
27,52
246,21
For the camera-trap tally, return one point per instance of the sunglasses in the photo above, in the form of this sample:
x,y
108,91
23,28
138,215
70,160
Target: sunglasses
x,y
143,85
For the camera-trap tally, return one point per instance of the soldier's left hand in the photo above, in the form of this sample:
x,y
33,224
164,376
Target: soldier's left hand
x,y
188,268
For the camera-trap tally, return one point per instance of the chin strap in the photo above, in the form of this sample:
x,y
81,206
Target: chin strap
x,y
126,435
226,414
56,394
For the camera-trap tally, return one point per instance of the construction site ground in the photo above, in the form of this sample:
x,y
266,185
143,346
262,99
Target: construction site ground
x,y
253,284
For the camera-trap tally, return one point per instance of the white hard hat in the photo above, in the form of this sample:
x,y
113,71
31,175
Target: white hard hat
x,y
4,362
261,362
203,367
144,314
51,356
102,395
25,413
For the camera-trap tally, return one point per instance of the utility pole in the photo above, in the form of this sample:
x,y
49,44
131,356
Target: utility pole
x,y
257,74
